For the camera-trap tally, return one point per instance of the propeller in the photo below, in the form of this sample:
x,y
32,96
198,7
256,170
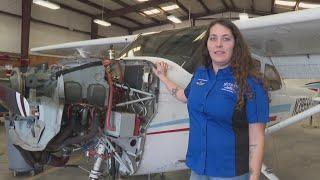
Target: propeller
x,y
14,101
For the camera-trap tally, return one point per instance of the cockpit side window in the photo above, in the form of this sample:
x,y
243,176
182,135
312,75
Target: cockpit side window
x,y
272,77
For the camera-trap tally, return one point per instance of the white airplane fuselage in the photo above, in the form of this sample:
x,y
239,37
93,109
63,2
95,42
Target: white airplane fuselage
x,y
167,135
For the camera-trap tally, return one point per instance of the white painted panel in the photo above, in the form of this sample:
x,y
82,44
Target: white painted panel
x,y
139,18
62,17
164,27
11,6
10,37
214,4
192,6
79,5
263,5
242,4
111,31
107,3
42,35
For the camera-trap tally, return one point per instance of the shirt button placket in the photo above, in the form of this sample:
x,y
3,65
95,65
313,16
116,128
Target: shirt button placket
x,y
204,127
204,144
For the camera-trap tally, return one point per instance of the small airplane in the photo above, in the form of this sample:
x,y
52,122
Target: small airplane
x,y
122,116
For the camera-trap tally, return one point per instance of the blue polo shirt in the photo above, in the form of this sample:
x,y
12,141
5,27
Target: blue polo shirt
x,y
219,138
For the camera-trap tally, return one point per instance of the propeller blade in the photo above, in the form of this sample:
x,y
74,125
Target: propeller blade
x,y
14,101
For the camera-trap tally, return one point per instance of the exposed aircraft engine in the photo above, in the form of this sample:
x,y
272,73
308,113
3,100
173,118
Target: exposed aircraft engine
x,y
103,111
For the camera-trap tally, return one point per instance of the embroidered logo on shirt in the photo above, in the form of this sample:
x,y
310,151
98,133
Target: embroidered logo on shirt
x,y
230,87
201,82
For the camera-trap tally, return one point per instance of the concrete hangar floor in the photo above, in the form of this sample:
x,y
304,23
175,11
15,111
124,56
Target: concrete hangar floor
x,y
292,153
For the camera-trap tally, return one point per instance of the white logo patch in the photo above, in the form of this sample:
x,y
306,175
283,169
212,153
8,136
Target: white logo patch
x,y
230,87
201,82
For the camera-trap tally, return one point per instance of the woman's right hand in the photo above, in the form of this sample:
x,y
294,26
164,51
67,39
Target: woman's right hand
x,y
161,69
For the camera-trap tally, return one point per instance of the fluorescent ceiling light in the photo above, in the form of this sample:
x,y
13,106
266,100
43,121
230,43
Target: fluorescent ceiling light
x,y
170,7
201,36
142,0
243,16
174,19
308,5
152,11
101,22
293,3
136,49
285,3
47,4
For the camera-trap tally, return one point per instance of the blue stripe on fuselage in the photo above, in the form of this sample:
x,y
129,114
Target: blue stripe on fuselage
x,y
279,108
273,109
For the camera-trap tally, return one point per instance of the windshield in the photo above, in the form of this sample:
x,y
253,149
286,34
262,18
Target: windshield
x,y
181,46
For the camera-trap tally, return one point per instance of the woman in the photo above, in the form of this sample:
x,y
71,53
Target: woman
x,y
227,105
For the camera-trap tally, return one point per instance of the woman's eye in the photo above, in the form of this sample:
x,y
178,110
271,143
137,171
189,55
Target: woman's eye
x,y
226,39
212,38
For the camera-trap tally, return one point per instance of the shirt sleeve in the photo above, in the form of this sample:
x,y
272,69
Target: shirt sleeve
x,y
257,103
187,89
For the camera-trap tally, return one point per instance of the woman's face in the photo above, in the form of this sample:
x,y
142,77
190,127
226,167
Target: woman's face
x,y
220,45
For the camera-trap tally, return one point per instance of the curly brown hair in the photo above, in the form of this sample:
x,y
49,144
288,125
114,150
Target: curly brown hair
x,y
241,61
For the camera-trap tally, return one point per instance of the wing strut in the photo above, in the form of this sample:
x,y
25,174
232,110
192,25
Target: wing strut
x,y
294,119
285,123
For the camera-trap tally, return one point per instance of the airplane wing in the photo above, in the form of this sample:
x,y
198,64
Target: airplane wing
x,y
285,34
92,48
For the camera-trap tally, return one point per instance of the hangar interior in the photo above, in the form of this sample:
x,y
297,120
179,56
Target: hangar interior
x,y
291,153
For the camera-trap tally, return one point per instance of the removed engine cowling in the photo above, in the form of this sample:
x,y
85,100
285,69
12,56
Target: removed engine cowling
x,y
72,105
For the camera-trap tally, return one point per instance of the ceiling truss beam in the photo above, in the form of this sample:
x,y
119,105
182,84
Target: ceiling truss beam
x,y
186,10
205,7
136,10
196,16
106,10
233,6
140,6
296,6
225,4
253,6
272,6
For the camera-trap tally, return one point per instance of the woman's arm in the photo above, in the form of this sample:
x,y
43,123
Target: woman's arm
x,y
256,147
175,90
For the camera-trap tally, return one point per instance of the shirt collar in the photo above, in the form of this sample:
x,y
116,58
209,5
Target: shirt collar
x,y
221,74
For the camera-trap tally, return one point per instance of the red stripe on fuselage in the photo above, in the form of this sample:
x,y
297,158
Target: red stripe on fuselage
x,y
271,118
169,131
